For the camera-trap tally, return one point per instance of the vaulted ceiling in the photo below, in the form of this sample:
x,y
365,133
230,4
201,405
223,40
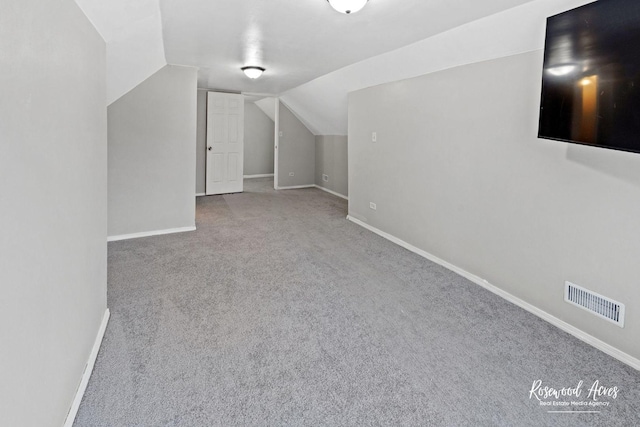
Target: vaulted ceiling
x,y
306,46
298,41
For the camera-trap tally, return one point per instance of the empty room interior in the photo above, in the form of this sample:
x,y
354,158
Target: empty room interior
x,y
320,212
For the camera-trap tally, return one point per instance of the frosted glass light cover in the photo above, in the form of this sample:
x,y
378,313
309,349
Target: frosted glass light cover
x,y
347,6
253,72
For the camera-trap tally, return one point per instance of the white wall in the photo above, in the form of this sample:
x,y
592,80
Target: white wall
x,y
458,172
296,151
258,141
53,194
331,160
152,158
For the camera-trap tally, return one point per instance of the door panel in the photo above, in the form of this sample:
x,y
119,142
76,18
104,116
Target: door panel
x,y
233,129
225,143
217,105
217,167
233,167
217,128
234,105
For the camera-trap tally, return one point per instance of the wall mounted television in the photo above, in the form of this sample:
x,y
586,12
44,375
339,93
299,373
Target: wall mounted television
x,y
591,76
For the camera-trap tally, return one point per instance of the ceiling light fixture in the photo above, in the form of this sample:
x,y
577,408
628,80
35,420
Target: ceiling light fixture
x,y
347,6
253,72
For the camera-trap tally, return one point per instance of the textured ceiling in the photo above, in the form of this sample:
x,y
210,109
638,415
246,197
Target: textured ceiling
x,y
298,41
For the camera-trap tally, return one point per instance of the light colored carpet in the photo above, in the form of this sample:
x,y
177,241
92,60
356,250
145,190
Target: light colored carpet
x,y
279,311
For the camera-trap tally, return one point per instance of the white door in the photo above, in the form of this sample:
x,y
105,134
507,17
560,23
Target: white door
x,y
225,143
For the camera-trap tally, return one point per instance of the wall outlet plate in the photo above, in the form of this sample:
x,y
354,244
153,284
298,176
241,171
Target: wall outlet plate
x,y
291,174
325,177
374,136
373,206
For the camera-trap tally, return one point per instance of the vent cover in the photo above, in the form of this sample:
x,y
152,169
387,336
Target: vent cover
x,y
599,305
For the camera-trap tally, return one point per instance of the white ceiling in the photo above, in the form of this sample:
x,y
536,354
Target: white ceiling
x,y
314,56
132,30
299,40
322,103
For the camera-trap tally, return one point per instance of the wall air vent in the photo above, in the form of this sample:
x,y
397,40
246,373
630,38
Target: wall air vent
x,y
599,305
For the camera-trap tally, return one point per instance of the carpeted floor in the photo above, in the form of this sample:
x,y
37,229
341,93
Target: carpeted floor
x,y
279,311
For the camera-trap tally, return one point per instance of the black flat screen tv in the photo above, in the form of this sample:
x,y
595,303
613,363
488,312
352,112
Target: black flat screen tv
x,y
591,76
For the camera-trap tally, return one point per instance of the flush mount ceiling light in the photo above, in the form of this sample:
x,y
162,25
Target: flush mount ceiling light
x,y
347,6
253,72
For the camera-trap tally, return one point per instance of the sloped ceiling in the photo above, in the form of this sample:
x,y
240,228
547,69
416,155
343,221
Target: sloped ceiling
x,y
298,41
132,30
268,106
322,103
314,56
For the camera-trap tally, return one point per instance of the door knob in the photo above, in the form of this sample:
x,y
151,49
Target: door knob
x,y
209,148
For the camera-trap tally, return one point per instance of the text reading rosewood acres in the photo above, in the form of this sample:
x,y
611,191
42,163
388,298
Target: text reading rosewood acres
x,y
595,393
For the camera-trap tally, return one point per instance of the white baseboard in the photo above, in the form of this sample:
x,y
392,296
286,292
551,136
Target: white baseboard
x,y
295,187
263,175
88,369
200,194
332,192
578,333
149,233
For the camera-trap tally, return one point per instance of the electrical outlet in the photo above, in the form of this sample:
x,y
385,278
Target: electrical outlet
x,y
291,174
280,134
325,177
373,206
374,136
